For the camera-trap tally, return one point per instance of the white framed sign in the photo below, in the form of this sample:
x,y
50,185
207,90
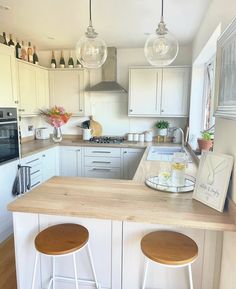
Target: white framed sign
x,y
213,179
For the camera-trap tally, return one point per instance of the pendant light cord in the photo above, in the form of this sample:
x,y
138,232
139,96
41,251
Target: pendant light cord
x,y
162,8
90,12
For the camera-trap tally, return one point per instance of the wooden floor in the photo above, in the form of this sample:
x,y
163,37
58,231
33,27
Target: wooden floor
x,y
7,265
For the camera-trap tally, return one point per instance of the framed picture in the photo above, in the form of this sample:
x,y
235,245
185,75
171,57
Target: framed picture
x,y
213,179
225,87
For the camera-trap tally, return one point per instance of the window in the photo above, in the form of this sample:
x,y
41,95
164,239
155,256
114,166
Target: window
x,y
208,100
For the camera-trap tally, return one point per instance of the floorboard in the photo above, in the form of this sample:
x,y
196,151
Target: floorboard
x,y
7,265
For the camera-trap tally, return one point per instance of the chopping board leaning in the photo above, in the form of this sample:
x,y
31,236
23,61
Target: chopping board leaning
x,y
95,127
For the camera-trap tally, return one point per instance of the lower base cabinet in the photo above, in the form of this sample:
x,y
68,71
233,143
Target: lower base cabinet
x,y
131,160
117,256
70,161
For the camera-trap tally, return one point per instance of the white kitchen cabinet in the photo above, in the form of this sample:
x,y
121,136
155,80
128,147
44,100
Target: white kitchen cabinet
x,y
205,268
70,161
67,89
105,240
175,91
42,88
102,162
44,165
144,91
8,83
159,92
50,163
33,88
131,160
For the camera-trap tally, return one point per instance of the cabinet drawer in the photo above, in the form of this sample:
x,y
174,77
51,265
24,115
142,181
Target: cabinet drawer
x,y
99,172
36,170
102,152
35,181
102,162
33,161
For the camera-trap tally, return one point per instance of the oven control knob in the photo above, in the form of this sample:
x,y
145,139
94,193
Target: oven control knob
x,y
9,114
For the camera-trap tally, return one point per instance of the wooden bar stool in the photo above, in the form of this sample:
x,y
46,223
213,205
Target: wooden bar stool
x,y
169,249
63,240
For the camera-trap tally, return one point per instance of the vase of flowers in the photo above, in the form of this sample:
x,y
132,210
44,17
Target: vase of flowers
x,y
56,117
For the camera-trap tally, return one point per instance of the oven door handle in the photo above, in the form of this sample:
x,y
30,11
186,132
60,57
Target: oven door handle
x,y
8,122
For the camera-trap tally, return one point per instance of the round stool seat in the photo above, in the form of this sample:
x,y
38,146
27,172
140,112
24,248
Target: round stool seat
x,y
169,248
61,239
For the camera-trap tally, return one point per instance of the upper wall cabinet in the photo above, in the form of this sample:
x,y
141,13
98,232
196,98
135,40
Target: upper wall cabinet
x,y
33,88
159,92
67,89
8,96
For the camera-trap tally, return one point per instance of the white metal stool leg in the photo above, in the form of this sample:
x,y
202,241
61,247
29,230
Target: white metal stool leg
x,y
53,272
92,266
190,276
145,272
35,267
75,272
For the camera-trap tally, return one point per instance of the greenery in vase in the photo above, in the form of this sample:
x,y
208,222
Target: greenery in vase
x,y
162,124
206,135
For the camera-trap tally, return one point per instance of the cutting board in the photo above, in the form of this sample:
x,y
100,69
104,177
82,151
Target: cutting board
x,y
95,126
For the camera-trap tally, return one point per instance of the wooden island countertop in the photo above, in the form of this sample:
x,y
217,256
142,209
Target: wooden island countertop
x,y
122,200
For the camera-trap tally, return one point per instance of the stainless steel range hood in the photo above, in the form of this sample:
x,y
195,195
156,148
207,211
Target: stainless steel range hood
x,y
109,75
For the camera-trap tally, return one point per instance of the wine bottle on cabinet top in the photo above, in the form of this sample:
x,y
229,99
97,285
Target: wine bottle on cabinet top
x,y
35,57
30,53
62,60
23,52
18,49
11,43
71,61
53,60
5,39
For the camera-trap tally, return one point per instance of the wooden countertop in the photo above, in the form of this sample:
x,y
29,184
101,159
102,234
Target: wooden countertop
x,y
122,200
119,200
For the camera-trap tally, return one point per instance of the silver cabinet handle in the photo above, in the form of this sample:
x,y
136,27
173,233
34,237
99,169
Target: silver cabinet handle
x,y
16,101
162,110
100,162
104,170
101,152
131,110
32,161
37,183
22,110
35,172
125,152
81,110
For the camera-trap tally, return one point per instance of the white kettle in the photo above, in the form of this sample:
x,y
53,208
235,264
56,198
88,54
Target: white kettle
x,y
42,133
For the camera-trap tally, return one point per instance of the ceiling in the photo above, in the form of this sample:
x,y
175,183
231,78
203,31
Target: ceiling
x,y
60,23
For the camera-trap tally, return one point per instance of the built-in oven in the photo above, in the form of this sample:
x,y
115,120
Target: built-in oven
x,y
9,140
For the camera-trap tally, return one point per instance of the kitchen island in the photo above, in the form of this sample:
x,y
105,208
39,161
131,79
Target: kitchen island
x,y
118,213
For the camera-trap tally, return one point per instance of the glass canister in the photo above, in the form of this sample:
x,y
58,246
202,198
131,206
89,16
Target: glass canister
x,y
178,167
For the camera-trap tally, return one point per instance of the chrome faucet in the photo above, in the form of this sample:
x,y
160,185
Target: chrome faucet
x,y
182,136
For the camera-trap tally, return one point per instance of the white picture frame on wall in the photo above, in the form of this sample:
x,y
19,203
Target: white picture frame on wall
x,y
213,179
225,86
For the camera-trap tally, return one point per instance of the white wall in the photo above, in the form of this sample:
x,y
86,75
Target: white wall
x,y
111,109
222,12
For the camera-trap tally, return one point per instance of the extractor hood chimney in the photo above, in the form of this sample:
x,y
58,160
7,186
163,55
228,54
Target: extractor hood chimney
x,y
109,75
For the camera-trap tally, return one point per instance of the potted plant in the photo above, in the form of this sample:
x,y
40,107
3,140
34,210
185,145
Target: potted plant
x,y
206,141
162,127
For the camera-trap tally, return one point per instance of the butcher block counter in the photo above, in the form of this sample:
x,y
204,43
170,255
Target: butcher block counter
x,y
122,200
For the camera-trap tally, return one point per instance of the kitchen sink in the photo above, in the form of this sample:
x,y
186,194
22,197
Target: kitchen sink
x,y
163,153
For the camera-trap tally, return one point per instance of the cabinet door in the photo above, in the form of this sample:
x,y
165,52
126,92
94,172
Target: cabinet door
x,y
131,160
175,91
42,86
70,161
162,276
50,163
8,95
145,91
66,89
27,89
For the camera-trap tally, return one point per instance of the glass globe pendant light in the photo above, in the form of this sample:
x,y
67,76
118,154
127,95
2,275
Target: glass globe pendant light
x,y
91,51
162,47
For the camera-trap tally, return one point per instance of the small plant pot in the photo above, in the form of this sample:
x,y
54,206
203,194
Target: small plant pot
x,y
162,132
205,145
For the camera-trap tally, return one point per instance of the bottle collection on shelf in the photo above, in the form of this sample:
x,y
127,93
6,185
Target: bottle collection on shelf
x,y
29,54
21,52
62,63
